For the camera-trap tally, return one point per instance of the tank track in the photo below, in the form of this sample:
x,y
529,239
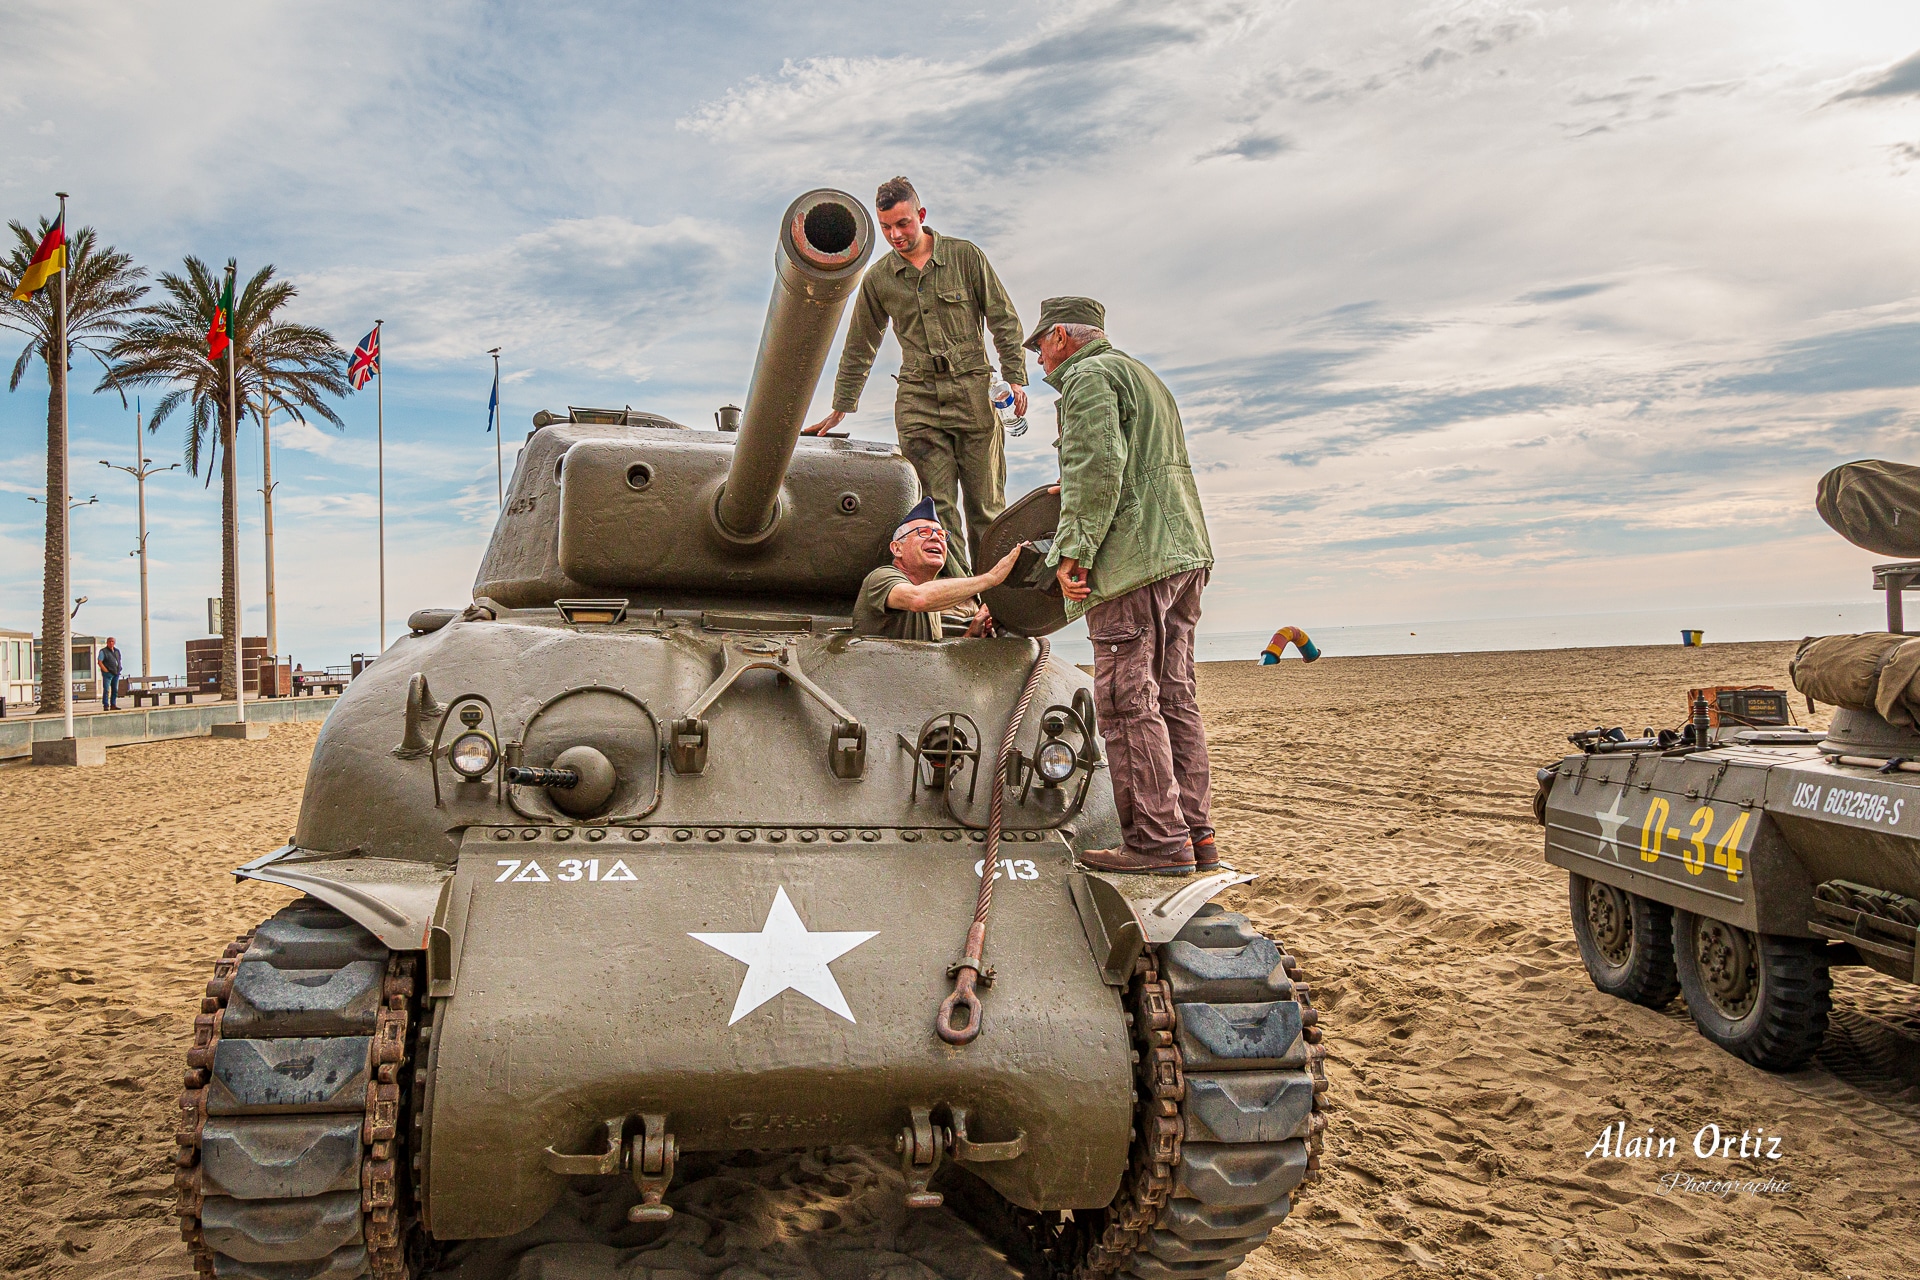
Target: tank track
x,y
1229,1126
289,1142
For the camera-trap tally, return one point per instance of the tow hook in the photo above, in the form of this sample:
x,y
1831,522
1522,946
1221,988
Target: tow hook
x,y
649,1155
922,1144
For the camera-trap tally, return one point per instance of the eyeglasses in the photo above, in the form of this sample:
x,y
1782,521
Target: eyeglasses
x,y
924,532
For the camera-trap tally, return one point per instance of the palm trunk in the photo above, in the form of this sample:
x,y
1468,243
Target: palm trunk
x,y
231,632
56,647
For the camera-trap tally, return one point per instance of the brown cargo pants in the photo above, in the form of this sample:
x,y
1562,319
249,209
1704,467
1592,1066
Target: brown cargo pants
x,y
951,435
1143,694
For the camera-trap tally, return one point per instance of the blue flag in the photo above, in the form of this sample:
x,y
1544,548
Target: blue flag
x,y
493,402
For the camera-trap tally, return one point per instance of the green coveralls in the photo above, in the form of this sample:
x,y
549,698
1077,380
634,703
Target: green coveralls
x,y
947,426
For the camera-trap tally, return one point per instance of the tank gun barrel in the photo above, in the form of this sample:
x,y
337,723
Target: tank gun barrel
x,y
825,239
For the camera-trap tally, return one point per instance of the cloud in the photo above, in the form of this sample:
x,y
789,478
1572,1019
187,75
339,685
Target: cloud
x,y
1566,293
1874,357
1093,79
1462,310
1104,37
599,292
1252,146
1901,80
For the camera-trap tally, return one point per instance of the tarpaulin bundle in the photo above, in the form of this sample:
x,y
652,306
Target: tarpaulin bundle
x,y
1876,671
1874,505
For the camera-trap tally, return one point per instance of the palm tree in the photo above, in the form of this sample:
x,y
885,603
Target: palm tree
x,y
276,364
102,289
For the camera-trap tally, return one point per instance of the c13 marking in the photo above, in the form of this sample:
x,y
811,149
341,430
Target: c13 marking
x,y
1654,832
1013,868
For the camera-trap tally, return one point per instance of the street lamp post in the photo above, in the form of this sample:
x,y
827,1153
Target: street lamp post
x,y
142,468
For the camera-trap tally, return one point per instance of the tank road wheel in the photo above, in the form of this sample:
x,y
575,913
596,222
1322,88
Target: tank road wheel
x,y
1228,1120
1626,942
1761,997
289,1141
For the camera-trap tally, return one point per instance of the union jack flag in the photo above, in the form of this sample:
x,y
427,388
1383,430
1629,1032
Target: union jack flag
x,y
366,360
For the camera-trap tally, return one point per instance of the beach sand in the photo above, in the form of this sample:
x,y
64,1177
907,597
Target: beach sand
x,y
1385,802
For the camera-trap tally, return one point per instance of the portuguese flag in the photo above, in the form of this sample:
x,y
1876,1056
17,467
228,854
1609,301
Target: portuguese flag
x,y
48,261
220,333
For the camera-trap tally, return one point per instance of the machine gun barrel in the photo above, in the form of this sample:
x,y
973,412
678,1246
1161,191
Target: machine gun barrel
x,y
825,239
522,776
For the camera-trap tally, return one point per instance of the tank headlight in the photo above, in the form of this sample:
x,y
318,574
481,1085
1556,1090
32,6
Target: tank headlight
x,y
1055,761
471,755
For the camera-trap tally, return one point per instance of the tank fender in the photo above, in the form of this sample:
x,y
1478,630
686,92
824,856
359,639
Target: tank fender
x,y
393,900
1698,832
1124,914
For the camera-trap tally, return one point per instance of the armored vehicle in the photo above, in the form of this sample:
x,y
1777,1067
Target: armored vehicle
x,y
1734,861
643,855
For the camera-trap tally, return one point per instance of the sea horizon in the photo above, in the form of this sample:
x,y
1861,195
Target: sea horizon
x,y
1725,624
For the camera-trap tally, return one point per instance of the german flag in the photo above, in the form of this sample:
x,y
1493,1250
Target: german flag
x,y
48,261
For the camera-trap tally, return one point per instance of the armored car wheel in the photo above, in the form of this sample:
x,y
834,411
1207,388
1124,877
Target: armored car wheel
x,y
1761,997
1228,1121
1626,942
289,1146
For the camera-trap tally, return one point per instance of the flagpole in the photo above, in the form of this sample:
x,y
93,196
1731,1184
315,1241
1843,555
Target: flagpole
x,y
499,475
238,621
140,477
59,352
380,463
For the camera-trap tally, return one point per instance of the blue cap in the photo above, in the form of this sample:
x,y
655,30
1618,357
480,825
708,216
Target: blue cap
x,y
922,510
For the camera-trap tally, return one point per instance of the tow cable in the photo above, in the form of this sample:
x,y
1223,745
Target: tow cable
x,y
970,968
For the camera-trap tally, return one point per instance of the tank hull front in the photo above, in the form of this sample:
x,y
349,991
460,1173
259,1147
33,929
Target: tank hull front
x,y
759,996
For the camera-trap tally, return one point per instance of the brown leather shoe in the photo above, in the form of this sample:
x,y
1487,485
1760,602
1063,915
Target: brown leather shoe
x,y
1126,862
1206,854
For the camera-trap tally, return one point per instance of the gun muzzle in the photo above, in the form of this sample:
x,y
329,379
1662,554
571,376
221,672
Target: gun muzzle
x,y
825,239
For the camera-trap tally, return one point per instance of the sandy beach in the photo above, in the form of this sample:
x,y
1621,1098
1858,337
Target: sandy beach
x,y
1385,802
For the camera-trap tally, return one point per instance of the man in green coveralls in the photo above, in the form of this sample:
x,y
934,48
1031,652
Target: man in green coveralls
x,y
903,600
1132,555
938,292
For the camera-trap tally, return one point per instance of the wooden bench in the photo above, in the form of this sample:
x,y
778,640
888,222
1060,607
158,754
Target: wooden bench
x,y
150,688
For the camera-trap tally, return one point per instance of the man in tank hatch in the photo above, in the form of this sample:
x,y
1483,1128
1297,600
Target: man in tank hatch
x,y
903,600
1132,556
938,292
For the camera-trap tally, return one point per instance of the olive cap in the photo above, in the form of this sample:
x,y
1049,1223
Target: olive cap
x,y
1055,311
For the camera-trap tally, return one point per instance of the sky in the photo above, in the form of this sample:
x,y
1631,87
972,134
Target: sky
x,y
1473,310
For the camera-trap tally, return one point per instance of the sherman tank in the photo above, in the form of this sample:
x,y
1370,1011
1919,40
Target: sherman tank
x,y
643,855
1737,859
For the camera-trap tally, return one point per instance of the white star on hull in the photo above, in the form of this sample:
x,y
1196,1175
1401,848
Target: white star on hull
x,y
783,956
1610,820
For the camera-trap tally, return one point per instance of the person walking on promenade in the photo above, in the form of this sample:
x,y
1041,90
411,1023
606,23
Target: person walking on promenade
x,y
1132,556
110,664
938,292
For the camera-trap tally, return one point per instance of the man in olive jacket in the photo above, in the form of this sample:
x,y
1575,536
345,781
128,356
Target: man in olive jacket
x,y
938,292
1132,555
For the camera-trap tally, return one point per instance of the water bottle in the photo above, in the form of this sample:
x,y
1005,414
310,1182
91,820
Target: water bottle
x,y
1002,393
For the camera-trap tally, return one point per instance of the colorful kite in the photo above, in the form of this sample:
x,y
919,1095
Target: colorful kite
x,y
1278,645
